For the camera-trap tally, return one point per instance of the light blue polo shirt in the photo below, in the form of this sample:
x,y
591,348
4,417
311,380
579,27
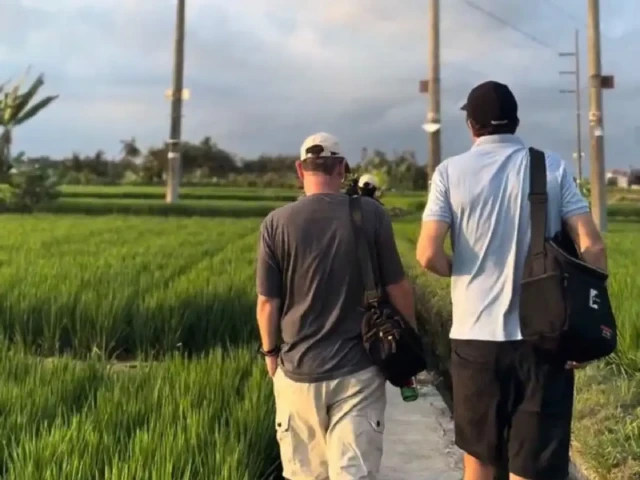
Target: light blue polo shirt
x,y
483,195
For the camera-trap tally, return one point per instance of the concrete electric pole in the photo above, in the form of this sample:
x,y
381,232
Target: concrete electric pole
x,y
432,87
596,83
576,91
174,143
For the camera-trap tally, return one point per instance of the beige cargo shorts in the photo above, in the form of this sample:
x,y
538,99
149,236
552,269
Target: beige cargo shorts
x,y
331,430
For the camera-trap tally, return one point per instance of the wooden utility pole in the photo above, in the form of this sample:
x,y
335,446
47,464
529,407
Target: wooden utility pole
x,y
174,143
432,87
596,83
576,91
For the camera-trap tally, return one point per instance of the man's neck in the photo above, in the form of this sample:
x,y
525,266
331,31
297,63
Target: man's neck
x,y
320,187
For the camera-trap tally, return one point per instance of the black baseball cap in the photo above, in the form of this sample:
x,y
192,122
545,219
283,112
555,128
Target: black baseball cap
x,y
490,104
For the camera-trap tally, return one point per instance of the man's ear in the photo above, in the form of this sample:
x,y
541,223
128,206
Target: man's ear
x,y
299,170
342,171
470,127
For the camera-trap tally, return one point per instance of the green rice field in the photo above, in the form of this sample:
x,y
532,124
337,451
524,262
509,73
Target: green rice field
x,y
128,339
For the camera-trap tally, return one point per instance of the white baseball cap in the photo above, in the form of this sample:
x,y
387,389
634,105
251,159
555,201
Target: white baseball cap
x,y
329,143
368,178
321,145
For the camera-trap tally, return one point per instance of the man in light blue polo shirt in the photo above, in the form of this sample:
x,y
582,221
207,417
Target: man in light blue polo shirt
x,y
507,397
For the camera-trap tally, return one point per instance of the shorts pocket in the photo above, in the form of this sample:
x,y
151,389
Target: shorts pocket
x,y
283,435
473,354
371,448
376,420
283,426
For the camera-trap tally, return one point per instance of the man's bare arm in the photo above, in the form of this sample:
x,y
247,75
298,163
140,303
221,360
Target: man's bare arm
x,y
401,296
430,251
268,314
587,238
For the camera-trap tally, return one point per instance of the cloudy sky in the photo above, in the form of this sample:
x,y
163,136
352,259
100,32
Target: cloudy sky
x,y
263,74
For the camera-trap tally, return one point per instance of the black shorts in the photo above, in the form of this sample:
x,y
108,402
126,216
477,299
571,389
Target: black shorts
x,y
513,403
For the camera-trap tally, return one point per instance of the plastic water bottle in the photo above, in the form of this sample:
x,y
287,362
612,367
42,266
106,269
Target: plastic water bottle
x,y
409,391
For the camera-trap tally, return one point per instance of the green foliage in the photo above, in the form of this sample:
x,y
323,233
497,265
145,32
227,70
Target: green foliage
x,y
16,108
206,418
30,189
180,293
401,172
116,285
584,185
206,163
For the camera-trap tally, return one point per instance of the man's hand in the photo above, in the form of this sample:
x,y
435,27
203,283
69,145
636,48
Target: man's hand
x,y
268,313
576,365
272,365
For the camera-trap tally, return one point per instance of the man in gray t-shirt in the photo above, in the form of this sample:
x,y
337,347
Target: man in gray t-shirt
x,y
330,400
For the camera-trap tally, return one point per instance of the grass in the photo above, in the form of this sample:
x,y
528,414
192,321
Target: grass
x,y
195,201
178,291
130,278
249,207
178,419
232,202
607,415
186,193
121,285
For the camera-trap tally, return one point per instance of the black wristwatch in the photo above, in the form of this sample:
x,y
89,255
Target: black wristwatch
x,y
274,352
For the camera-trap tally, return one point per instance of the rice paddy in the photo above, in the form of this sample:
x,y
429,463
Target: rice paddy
x,y
128,340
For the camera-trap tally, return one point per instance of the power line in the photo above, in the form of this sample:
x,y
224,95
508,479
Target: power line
x,y
581,23
567,13
507,24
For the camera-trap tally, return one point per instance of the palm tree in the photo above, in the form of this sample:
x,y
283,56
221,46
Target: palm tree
x,y
129,149
16,108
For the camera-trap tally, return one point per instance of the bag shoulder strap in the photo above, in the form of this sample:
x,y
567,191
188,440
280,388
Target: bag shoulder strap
x,y
538,199
371,294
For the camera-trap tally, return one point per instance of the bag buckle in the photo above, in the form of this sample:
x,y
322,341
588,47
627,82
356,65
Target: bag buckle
x,y
371,298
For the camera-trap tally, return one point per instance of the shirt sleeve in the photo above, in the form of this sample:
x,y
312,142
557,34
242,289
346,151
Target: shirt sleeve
x,y
389,263
268,270
573,203
438,203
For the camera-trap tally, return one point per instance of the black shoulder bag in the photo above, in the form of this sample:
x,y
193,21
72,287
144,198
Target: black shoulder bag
x,y
392,343
564,302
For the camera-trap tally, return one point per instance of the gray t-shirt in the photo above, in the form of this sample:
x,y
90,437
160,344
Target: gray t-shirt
x,y
307,258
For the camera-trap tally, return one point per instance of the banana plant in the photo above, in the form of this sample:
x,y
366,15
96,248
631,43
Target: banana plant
x,y
16,107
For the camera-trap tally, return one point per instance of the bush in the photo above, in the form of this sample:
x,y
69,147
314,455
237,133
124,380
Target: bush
x,y
28,189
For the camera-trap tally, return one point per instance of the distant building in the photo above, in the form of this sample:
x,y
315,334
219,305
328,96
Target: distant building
x,y
634,177
618,178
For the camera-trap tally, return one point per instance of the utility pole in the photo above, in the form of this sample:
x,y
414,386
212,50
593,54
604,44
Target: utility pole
x,y
597,82
576,91
174,143
432,87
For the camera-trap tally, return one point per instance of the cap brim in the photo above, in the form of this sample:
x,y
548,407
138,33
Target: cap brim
x,y
464,107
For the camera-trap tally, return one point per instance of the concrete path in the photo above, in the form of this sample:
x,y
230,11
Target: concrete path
x,y
418,439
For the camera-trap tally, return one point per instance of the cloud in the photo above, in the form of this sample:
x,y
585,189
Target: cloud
x,y
265,73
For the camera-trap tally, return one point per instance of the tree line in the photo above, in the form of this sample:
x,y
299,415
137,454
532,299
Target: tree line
x,y
26,181
205,162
